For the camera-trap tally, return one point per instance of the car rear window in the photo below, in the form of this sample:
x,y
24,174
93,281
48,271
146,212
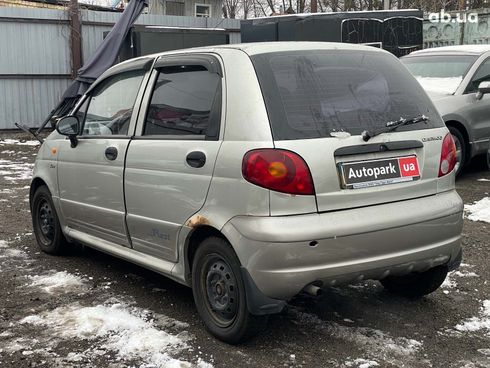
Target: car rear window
x,y
315,93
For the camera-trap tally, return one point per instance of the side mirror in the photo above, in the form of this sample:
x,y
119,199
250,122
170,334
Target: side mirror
x,y
70,127
483,88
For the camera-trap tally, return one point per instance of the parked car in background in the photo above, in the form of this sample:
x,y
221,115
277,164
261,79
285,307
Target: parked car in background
x,y
457,78
254,172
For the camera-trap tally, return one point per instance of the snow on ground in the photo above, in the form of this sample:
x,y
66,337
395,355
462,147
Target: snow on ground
x,y
482,179
450,281
361,363
128,332
6,252
56,282
482,322
14,170
378,344
479,210
18,142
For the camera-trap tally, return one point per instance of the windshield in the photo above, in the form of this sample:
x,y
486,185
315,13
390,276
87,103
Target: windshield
x,y
441,74
313,94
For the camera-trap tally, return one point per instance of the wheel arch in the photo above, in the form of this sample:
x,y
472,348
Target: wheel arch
x,y
35,184
464,132
194,238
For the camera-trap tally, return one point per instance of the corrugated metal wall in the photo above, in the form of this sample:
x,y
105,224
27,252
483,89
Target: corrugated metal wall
x,y
35,55
437,34
34,63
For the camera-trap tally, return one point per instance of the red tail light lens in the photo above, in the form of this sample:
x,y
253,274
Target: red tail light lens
x,y
279,170
448,156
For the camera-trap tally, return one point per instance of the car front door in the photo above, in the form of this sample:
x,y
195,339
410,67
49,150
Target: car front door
x,y
170,161
90,175
478,112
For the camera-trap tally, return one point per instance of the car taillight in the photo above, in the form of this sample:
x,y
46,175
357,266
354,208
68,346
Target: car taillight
x,y
448,156
279,170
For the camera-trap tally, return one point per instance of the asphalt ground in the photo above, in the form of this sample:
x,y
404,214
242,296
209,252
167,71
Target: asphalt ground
x,y
43,299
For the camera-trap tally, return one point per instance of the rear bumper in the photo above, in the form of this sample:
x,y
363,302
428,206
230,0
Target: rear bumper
x,y
351,245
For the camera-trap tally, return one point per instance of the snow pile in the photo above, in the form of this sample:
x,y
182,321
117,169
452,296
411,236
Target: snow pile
x,y
19,143
361,363
59,281
130,333
377,343
445,86
481,322
479,210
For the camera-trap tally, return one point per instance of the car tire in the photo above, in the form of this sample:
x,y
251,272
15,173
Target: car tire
x,y
461,149
219,293
45,223
488,159
416,284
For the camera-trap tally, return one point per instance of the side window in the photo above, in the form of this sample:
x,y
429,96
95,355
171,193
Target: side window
x,y
481,75
186,100
110,105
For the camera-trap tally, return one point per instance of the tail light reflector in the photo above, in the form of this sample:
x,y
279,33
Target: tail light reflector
x,y
448,155
280,170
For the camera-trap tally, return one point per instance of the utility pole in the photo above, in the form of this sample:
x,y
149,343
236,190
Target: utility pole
x,y
75,39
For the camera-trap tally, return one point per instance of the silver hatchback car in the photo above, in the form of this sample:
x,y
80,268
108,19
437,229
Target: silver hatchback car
x,y
255,172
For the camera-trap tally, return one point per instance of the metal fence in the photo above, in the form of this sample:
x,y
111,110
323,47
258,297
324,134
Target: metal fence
x,y
35,56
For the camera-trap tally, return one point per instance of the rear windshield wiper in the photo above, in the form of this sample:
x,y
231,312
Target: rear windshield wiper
x,y
392,125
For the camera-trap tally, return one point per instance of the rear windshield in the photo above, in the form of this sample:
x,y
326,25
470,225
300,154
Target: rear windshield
x,y
315,93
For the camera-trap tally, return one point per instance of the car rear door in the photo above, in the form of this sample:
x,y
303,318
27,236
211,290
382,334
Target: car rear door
x,y
319,102
171,159
90,175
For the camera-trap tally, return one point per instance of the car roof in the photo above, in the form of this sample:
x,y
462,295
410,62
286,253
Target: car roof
x,y
252,48
265,47
457,49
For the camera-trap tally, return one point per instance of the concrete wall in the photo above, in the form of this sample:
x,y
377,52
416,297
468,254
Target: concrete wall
x,y
454,33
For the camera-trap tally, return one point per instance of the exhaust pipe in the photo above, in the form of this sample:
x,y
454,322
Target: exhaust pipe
x,y
313,290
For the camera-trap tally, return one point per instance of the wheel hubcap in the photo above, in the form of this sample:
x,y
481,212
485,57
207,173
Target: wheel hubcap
x,y
221,291
46,221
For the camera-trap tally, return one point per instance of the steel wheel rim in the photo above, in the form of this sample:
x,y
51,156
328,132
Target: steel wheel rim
x,y
219,284
45,222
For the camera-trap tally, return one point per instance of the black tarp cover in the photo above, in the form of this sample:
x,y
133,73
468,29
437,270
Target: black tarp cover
x,y
104,57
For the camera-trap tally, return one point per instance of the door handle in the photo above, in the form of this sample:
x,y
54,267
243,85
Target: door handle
x,y
196,159
111,153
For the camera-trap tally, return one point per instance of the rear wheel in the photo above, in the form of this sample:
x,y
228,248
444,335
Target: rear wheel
x,y
461,149
416,284
219,292
45,222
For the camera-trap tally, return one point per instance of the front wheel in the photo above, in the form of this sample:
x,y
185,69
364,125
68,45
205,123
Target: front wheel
x,y
45,222
219,293
416,284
